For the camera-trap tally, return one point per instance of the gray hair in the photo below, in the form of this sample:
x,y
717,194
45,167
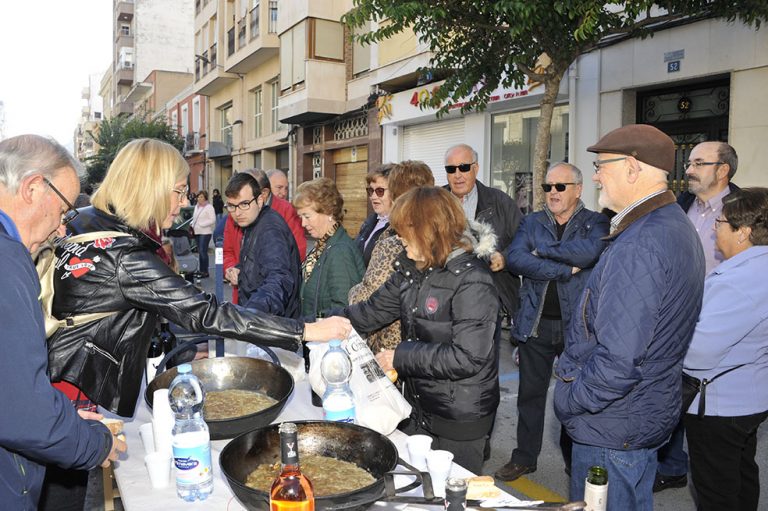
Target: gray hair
x,y
727,154
260,176
577,178
464,147
272,172
26,155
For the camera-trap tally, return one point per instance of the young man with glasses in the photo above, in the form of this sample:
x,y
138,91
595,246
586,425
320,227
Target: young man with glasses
x,y
268,274
618,388
38,183
554,250
490,206
710,168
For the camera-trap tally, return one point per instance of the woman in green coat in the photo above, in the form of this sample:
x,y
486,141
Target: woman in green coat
x,y
335,264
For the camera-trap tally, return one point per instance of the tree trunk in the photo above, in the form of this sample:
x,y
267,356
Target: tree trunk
x,y
544,137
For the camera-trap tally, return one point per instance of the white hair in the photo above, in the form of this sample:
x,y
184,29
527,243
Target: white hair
x,y
26,155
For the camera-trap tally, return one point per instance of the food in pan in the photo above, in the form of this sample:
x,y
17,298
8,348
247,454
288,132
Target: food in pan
x,y
231,403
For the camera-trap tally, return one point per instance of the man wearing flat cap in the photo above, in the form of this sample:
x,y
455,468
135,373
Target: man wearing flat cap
x,y
618,390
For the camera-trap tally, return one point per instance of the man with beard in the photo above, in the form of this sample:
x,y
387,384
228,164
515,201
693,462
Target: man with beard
x,y
618,391
710,168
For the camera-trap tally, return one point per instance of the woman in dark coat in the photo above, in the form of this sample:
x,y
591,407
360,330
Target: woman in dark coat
x,y
444,295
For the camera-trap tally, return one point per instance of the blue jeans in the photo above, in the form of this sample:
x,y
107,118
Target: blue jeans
x,y
202,250
630,475
673,460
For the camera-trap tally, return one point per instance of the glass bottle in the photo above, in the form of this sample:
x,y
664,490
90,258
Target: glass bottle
x,y
154,355
291,490
455,494
596,489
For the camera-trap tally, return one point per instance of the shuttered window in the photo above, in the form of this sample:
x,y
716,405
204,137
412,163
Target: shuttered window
x,y
428,143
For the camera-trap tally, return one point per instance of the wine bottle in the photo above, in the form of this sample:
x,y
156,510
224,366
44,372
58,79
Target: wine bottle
x,y
596,489
291,490
168,339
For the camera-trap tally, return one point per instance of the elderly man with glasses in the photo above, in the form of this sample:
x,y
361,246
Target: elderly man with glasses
x,y
554,250
490,206
618,392
268,274
710,168
38,183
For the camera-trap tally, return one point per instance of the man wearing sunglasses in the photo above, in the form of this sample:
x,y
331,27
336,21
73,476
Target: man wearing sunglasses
x,y
554,250
490,206
38,184
619,377
710,168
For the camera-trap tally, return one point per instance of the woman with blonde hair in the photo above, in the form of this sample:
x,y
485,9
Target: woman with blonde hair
x,y
334,264
121,274
443,294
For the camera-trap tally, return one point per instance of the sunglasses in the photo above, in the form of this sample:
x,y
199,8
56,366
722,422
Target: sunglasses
x,y
379,191
464,167
560,187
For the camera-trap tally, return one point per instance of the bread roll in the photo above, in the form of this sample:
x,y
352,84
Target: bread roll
x,y
481,488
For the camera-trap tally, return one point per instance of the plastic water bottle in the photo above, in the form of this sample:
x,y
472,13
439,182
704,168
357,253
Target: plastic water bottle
x,y
191,439
336,370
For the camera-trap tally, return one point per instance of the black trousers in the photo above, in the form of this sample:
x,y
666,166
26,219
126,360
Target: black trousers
x,y
63,490
722,452
467,453
537,355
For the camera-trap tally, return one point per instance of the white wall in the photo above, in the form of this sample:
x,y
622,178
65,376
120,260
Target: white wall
x,y
163,36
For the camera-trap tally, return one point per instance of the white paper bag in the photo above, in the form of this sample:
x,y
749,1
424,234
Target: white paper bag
x,y
378,403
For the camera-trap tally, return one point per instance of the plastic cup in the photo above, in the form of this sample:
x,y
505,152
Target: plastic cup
x,y
159,468
147,437
439,464
418,447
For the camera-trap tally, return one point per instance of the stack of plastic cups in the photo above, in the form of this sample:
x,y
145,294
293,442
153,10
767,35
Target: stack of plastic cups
x,y
163,421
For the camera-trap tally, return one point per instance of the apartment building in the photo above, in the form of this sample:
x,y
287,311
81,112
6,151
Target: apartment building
x,y
149,36
91,115
187,114
237,67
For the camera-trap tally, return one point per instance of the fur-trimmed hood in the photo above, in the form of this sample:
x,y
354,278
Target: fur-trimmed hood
x,y
482,238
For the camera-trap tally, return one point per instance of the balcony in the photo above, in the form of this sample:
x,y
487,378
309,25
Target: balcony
x,y
124,10
191,143
254,51
124,75
124,41
213,79
322,97
123,107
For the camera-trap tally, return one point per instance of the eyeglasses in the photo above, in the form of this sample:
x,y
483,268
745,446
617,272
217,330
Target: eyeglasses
x,y
71,213
560,187
379,191
698,164
464,167
245,205
182,193
719,221
596,164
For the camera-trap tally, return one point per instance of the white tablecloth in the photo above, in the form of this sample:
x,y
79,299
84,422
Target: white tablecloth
x,y
138,495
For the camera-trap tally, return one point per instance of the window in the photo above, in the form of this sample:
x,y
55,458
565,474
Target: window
x,y
257,160
226,118
184,120
361,55
125,30
196,115
513,137
255,19
273,16
258,112
292,56
175,120
327,40
275,92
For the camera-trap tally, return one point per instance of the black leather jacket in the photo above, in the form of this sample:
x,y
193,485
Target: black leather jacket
x,y
106,358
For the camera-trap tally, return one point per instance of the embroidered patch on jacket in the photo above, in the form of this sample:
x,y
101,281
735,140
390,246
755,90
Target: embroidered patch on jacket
x,y
103,243
431,305
78,267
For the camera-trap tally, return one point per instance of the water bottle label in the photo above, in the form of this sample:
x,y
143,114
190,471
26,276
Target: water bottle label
x,y
193,463
347,415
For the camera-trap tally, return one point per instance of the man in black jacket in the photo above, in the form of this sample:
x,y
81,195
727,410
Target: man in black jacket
x,y
492,207
710,168
268,275
37,184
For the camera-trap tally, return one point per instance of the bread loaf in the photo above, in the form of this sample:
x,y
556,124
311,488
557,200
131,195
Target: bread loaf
x,y
481,488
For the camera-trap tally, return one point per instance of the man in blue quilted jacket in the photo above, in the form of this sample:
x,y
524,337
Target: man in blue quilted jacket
x,y
618,390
